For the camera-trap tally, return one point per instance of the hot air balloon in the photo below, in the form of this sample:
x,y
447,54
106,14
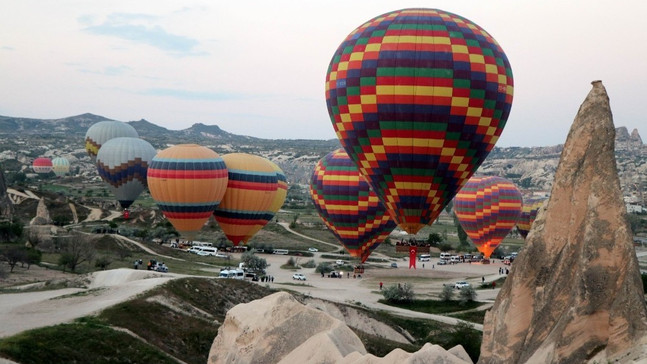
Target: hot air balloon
x,y
528,214
103,131
348,206
123,164
418,98
487,208
42,165
187,181
60,166
251,189
275,206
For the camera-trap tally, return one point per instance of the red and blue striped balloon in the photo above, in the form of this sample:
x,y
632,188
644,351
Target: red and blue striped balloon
x,y
487,209
348,206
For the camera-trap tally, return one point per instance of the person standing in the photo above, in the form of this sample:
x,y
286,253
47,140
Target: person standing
x,y
380,286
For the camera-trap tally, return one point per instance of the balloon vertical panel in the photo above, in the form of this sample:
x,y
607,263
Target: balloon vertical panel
x,y
418,98
275,206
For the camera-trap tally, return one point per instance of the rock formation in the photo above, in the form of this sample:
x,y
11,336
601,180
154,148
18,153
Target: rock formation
x,y
6,207
635,137
42,214
278,329
575,293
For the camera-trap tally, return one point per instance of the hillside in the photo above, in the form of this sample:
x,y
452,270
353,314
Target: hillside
x,y
531,168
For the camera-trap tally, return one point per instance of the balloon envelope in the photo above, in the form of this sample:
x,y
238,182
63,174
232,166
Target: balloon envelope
x,y
123,164
418,98
275,206
488,208
42,165
528,214
187,181
251,188
103,131
348,206
60,166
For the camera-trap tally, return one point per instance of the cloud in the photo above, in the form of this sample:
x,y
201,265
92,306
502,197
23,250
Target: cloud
x,y
8,48
140,28
192,95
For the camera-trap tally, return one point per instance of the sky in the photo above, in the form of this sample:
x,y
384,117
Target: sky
x,y
257,67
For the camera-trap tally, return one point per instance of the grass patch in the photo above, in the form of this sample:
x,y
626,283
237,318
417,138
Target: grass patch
x,y
434,306
476,316
84,341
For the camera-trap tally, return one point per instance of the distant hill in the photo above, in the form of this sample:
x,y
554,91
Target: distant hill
x,y
23,139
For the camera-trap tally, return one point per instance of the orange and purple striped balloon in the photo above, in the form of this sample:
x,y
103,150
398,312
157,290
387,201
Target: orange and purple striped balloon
x,y
348,206
487,209
528,214
187,181
252,186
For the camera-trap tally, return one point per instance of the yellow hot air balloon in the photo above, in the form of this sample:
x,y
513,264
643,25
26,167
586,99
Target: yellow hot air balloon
x,y
251,189
187,182
277,203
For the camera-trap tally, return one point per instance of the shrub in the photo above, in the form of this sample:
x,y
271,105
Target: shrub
x,y
466,294
400,293
324,268
447,294
309,264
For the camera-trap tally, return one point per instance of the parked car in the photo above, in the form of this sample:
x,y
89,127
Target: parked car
x,y
299,276
461,284
340,262
394,265
313,250
442,262
334,274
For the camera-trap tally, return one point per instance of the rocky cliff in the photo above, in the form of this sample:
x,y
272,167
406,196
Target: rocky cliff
x,y
6,207
574,294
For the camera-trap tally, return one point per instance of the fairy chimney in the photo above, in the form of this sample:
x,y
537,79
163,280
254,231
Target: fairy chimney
x,y
574,293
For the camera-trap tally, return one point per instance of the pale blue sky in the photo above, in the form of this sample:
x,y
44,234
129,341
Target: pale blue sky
x,y
258,67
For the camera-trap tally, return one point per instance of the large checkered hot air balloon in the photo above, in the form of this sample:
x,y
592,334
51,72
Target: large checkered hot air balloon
x,y
531,206
187,181
252,186
418,98
123,164
488,208
348,206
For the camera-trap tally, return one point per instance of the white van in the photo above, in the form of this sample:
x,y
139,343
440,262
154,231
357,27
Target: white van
x,y
209,250
424,257
280,251
445,256
455,259
233,274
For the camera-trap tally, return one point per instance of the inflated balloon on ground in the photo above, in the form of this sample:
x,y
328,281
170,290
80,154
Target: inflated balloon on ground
x,y
488,208
60,166
418,98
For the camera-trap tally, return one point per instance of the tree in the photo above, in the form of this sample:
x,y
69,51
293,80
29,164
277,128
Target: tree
x,y
102,262
400,293
445,247
253,262
462,235
75,251
324,268
34,238
434,238
447,294
466,294
32,256
12,255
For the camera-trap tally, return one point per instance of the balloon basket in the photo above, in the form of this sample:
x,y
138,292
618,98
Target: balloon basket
x,y
485,261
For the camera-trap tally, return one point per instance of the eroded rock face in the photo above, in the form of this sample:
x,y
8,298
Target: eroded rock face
x,y
6,207
42,214
574,293
278,329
